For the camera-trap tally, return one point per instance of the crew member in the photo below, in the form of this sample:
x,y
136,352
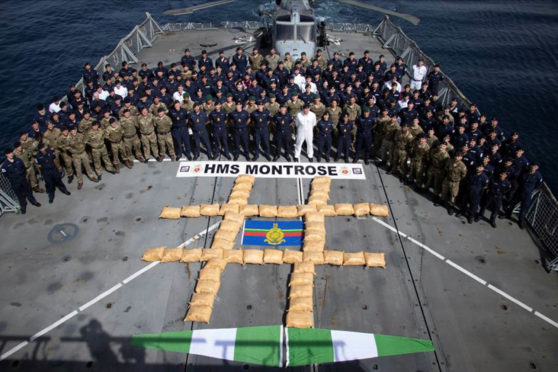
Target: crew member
x,y
14,169
305,123
45,159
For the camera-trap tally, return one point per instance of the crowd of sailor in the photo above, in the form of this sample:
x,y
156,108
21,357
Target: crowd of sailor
x,y
271,105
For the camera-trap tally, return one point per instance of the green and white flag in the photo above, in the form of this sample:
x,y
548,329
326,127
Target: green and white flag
x,y
314,346
255,345
278,346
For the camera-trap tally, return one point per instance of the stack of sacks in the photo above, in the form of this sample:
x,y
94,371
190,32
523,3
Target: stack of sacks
x,y
209,279
201,304
319,194
369,259
301,285
239,194
314,232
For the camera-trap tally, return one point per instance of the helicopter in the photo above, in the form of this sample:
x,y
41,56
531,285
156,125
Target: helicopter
x,y
290,26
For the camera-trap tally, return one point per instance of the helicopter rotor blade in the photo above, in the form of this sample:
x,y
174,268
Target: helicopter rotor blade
x,y
192,9
409,18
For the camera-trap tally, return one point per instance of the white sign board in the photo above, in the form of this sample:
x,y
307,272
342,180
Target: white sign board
x,y
270,170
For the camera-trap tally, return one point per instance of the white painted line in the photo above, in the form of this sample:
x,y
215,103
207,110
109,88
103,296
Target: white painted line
x,y
546,319
281,335
470,274
512,299
99,297
14,349
426,248
286,347
139,272
53,325
466,272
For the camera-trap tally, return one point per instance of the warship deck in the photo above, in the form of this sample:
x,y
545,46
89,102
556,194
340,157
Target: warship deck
x,y
479,293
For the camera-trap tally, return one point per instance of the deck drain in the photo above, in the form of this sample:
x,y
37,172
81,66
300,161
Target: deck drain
x,y
62,233
504,307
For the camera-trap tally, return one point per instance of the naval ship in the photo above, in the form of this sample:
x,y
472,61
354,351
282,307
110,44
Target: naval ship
x,y
75,290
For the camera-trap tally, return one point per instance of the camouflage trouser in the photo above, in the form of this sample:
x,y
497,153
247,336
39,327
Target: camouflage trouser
x,y
80,160
119,150
353,138
149,142
32,176
67,160
101,153
165,142
434,179
386,150
417,172
398,160
57,160
133,144
450,189
377,144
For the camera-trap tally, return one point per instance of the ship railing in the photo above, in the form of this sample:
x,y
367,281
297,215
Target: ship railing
x,y
542,217
400,44
8,198
187,26
142,36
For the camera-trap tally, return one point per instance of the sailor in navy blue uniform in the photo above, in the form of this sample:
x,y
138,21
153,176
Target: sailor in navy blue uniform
x,y
89,74
179,130
498,189
240,60
364,135
344,128
528,183
325,130
41,116
218,118
239,119
188,60
205,61
45,159
260,122
198,121
434,79
477,182
14,169
283,121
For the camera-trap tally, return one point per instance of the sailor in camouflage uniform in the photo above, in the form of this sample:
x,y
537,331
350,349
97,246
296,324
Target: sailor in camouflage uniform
x,y
76,147
163,125
132,143
115,135
148,137
455,171
95,138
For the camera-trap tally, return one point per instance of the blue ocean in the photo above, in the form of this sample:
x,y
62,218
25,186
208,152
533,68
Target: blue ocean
x,y
502,54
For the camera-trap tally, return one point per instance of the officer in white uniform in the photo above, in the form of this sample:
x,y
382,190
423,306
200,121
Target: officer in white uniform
x,y
305,123
419,73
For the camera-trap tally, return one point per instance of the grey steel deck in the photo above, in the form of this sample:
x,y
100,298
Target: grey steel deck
x,y
473,327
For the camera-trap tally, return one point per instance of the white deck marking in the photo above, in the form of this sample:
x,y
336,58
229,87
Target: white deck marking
x,y
469,274
101,296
